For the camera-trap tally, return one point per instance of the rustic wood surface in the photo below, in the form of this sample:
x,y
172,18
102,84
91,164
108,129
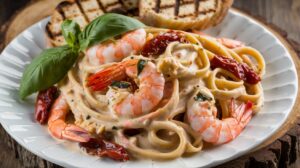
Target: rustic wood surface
x,y
284,15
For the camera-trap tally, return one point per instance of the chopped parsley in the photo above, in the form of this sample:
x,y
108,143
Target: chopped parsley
x,y
140,65
114,128
202,97
121,84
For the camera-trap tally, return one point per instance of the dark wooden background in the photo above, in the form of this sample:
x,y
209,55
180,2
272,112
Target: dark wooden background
x,y
284,152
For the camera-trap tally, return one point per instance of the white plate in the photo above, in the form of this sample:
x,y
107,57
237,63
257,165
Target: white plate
x,y
280,88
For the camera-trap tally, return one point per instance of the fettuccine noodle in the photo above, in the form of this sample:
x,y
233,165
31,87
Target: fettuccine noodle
x,y
165,132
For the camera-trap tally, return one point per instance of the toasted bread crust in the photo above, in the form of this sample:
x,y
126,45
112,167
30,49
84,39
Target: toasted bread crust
x,y
150,15
83,12
173,14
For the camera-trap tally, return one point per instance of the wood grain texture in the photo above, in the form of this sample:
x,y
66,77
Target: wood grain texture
x,y
26,17
285,14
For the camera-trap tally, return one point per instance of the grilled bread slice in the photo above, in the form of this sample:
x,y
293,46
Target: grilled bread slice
x,y
183,14
174,14
83,12
130,4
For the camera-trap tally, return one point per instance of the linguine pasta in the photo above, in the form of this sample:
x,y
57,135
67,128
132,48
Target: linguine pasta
x,y
165,132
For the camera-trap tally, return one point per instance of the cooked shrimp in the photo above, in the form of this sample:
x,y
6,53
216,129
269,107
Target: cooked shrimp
x,y
121,99
59,128
230,43
227,42
130,43
202,117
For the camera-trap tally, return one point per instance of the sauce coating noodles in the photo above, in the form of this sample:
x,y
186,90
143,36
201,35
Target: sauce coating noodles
x,y
165,132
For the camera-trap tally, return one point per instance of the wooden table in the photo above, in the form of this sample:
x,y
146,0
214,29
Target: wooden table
x,y
283,15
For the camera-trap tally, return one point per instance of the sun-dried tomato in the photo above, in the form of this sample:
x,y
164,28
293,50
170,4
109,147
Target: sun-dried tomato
x,y
240,70
43,104
103,148
158,44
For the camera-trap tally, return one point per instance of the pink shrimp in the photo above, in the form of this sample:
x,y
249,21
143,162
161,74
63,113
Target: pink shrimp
x,y
202,117
144,99
227,42
59,128
130,43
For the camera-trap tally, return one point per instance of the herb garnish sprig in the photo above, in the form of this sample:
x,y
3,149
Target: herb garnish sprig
x,y
53,64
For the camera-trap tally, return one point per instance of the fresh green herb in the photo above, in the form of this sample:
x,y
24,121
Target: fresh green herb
x,y
47,69
140,65
53,64
121,84
106,27
71,31
202,97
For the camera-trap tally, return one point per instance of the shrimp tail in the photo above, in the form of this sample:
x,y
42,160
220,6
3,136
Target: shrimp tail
x,y
230,43
75,133
232,127
241,112
247,115
61,130
106,77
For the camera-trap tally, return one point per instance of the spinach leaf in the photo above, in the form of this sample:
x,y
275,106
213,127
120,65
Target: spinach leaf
x,y
47,69
71,31
106,27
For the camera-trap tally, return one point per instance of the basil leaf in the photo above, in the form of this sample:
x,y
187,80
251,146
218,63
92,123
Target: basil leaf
x,y
121,84
202,97
71,32
140,65
47,69
105,27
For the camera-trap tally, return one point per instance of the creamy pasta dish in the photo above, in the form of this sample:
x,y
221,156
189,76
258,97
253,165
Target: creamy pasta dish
x,y
161,93
124,90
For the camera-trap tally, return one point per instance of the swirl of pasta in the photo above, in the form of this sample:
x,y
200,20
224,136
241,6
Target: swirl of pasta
x,y
246,52
164,132
194,142
157,153
222,88
212,47
183,60
253,93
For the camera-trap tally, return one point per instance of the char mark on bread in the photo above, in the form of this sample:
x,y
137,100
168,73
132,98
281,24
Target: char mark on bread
x,y
183,14
82,12
173,14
